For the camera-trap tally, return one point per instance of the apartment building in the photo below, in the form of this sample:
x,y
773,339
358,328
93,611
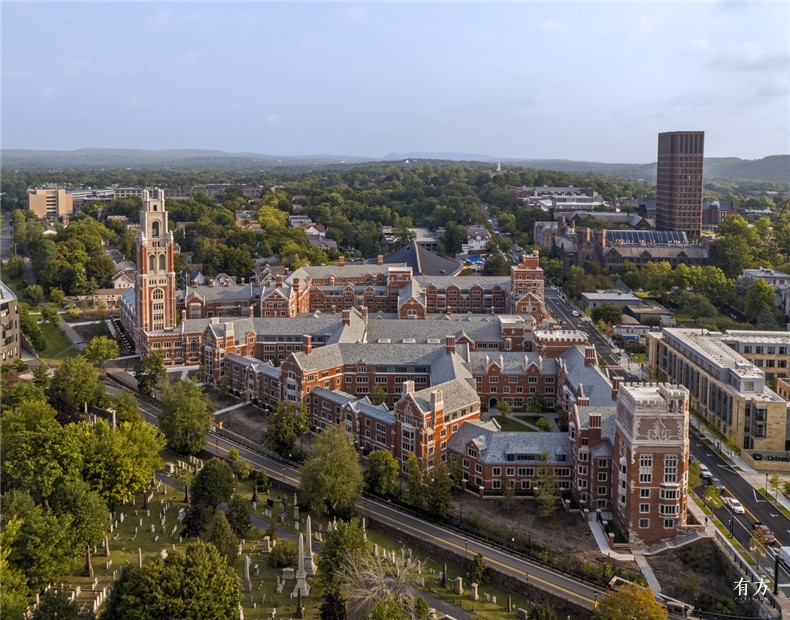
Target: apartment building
x,y
726,389
9,325
50,203
679,181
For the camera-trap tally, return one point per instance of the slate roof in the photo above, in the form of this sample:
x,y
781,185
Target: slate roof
x,y
456,394
423,262
593,380
514,362
465,282
608,419
220,292
349,270
423,332
494,445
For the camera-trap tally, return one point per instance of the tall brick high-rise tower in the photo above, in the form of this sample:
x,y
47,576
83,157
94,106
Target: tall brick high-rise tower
x,y
679,181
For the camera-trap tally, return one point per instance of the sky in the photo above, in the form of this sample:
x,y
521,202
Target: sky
x,y
571,80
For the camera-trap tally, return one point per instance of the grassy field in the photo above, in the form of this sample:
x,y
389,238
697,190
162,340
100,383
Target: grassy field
x,y
56,343
509,424
130,536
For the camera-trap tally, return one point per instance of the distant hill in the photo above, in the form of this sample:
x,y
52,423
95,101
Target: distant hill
x,y
774,168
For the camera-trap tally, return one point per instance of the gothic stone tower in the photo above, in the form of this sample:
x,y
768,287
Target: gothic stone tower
x,y
651,447
155,288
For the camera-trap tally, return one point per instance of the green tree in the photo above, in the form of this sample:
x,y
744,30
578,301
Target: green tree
x,y
415,488
15,594
332,477
381,474
56,296
150,373
630,602
50,315
285,553
508,493
78,379
238,515
496,266
101,349
334,605
478,570
186,417
31,329
39,461
196,584
347,539
378,395
542,612
33,416
213,484
713,496
608,313
120,462
547,492
90,517
41,376
42,549
439,494
287,421
759,295
126,409
223,538
34,294
695,476
196,521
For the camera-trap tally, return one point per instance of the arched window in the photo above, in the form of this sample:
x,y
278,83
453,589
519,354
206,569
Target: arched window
x,y
162,261
152,263
155,229
158,294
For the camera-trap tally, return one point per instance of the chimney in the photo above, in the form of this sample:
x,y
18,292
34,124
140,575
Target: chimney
x,y
364,311
408,387
449,344
252,311
437,401
342,261
287,271
242,281
380,259
486,364
211,282
183,315
226,282
307,344
278,281
581,398
616,381
297,284
595,429
346,317
589,355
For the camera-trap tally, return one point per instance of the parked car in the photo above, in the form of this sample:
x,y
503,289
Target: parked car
x,y
706,473
717,483
757,456
692,458
575,313
734,505
769,535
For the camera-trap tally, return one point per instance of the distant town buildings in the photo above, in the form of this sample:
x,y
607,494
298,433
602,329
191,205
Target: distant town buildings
x,y
50,203
679,181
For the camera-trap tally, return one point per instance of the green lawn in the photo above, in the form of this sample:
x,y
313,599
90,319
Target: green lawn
x,y
509,424
56,342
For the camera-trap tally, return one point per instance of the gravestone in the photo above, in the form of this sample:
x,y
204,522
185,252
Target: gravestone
x,y
459,585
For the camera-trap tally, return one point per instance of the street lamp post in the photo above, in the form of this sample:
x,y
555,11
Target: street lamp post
x,y
730,527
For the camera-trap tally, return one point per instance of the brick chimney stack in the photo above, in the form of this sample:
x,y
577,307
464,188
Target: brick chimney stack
x,y
616,382
449,345
342,261
408,387
380,259
589,355
278,281
346,317
307,344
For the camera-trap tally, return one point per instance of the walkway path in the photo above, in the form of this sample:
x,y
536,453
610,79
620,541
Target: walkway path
x,y
231,408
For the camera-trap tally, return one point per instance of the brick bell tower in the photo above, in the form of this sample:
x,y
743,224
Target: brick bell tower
x,y
156,279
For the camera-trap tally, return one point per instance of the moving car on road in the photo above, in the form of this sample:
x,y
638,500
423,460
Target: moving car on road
x,y
769,535
734,505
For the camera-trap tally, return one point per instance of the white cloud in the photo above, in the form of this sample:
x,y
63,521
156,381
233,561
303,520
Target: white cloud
x,y
273,119
551,27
